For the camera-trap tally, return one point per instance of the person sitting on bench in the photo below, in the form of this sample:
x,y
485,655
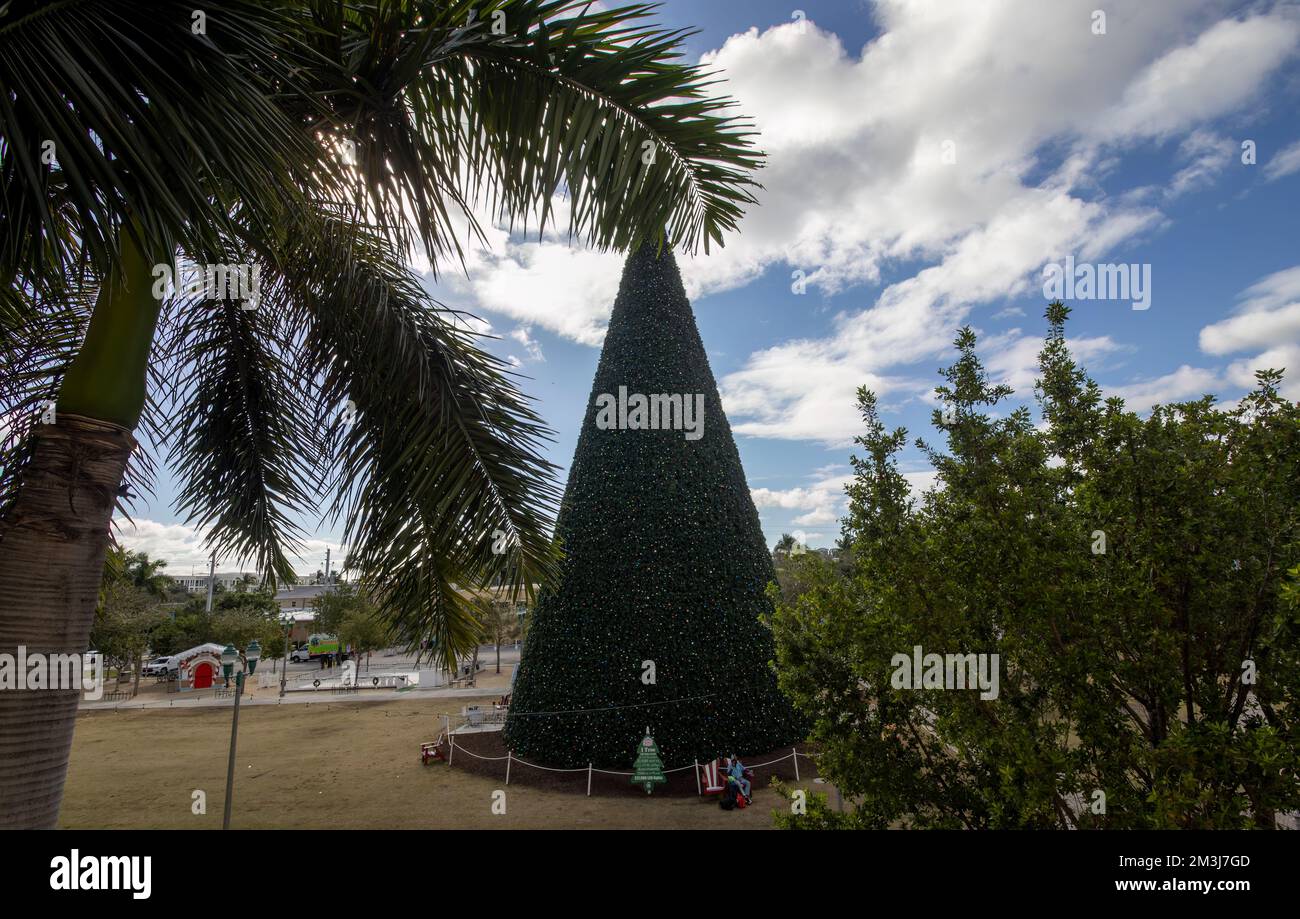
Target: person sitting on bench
x,y
736,771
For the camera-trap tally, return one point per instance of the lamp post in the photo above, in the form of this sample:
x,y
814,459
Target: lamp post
x,y
284,664
228,658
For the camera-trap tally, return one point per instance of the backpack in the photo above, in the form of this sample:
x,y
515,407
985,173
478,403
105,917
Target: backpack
x,y
728,799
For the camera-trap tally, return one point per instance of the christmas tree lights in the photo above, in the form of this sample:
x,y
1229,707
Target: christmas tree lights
x,y
655,619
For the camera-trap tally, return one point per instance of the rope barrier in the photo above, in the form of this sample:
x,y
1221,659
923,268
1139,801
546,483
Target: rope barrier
x,y
779,759
464,749
514,759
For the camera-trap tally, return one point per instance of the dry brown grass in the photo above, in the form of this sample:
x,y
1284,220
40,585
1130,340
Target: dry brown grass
x,y
330,765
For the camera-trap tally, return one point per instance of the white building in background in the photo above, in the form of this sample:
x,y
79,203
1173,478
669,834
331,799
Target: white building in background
x,y
198,583
299,598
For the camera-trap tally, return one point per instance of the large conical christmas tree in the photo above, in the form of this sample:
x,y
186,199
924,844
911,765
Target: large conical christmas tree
x,y
655,618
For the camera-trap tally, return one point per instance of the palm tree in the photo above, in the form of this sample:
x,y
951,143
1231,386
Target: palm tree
x,y
146,574
317,143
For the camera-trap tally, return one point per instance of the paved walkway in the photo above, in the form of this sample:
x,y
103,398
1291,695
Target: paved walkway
x,y
302,693
271,697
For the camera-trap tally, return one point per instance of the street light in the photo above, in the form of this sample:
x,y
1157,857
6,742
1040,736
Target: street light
x,y
228,658
284,668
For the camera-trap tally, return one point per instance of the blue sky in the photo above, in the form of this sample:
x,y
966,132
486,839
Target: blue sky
x,y
926,160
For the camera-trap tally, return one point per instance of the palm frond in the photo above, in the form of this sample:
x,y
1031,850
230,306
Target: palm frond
x,y
145,123
442,109
436,453
240,430
39,334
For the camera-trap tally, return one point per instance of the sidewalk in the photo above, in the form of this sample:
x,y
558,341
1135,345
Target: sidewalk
x,y
271,696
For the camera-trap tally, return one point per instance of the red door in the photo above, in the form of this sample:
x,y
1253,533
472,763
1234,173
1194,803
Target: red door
x,y
202,676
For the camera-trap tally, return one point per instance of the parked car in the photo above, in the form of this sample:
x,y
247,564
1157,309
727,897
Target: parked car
x,y
159,666
299,656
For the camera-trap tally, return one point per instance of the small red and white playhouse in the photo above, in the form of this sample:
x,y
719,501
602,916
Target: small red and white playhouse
x,y
199,667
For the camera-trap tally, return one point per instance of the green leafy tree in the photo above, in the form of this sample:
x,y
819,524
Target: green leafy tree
x,y
124,623
1126,571
236,618
138,569
348,612
335,606
796,574
319,143
501,624
362,632
785,545
657,616
239,618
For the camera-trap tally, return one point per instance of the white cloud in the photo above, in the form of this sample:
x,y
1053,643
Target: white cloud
x,y
1249,330
1215,75
523,335
1038,111
1207,154
1282,357
824,502
854,190
182,547
1284,163
1186,382
1267,317
922,481
1013,358
1269,313
565,289
821,503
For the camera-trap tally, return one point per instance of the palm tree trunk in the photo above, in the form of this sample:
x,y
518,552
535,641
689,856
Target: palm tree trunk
x,y
52,546
54,536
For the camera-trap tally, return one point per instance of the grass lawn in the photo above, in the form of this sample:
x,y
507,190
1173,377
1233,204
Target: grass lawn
x,y
330,765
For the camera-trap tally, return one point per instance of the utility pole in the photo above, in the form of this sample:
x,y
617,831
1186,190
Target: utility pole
x,y
327,566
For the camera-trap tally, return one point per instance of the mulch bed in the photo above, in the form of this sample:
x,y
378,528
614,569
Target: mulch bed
x,y
680,783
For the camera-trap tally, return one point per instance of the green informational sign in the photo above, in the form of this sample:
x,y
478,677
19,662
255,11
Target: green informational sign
x,y
648,770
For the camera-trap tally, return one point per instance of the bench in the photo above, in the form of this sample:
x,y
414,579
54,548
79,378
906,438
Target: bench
x,y
713,779
431,750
